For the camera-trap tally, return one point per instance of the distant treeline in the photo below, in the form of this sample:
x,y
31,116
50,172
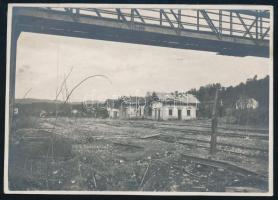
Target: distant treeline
x,y
257,89
52,108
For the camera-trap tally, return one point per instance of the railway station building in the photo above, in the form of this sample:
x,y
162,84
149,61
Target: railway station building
x,y
167,106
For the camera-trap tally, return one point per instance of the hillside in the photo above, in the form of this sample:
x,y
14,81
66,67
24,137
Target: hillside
x,y
252,88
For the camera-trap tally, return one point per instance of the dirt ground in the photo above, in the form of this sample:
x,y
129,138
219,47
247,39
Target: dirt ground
x,y
135,155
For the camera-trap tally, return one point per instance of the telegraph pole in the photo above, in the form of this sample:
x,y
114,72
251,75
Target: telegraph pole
x,y
213,138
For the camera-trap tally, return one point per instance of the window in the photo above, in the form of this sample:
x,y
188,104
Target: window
x,y
170,112
188,112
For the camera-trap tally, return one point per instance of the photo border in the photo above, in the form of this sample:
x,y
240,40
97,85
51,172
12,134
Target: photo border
x,y
271,177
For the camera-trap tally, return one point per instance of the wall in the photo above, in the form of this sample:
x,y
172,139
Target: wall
x,y
130,112
111,112
164,112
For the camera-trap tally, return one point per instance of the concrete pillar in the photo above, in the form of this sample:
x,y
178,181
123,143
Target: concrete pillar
x,y
15,32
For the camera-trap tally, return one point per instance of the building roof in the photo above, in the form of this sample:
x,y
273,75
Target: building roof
x,y
129,100
134,100
114,103
246,99
184,98
160,96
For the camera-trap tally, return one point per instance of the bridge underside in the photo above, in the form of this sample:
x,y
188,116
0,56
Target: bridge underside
x,y
44,25
137,37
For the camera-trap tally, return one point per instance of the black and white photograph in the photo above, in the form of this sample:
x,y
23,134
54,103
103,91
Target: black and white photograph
x,y
139,99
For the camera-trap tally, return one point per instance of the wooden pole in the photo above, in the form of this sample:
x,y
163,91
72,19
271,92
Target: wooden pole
x,y
213,138
160,17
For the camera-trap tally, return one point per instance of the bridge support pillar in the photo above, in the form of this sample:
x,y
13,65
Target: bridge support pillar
x,y
15,32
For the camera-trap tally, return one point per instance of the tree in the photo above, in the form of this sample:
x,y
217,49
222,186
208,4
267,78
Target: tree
x,y
252,88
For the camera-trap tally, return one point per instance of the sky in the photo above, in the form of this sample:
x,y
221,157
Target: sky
x,y
43,61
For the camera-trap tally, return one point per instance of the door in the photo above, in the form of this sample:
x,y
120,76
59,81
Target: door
x,y
179,114
158,115
115,114
188,113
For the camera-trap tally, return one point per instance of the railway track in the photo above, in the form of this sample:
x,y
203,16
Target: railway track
x,y
250,135
225,165
204,144
224,144
234,135
189,128
220,149
233,128
229,128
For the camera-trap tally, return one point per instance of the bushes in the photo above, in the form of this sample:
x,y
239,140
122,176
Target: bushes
x,y
24,121
259,116
251,117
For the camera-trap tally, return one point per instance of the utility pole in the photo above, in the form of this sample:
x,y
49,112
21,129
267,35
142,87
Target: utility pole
x,y
213,138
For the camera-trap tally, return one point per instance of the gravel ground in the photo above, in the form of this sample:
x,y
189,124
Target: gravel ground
x,y
101,154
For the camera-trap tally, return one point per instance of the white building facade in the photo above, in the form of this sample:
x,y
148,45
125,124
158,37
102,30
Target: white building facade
x,y
132,111
113,113
128,108
175,108
246,103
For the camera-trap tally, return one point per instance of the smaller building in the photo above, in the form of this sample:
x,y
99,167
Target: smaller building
x,y
16,111
43,114
126,108
244,103
133,108
112,106
113,113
